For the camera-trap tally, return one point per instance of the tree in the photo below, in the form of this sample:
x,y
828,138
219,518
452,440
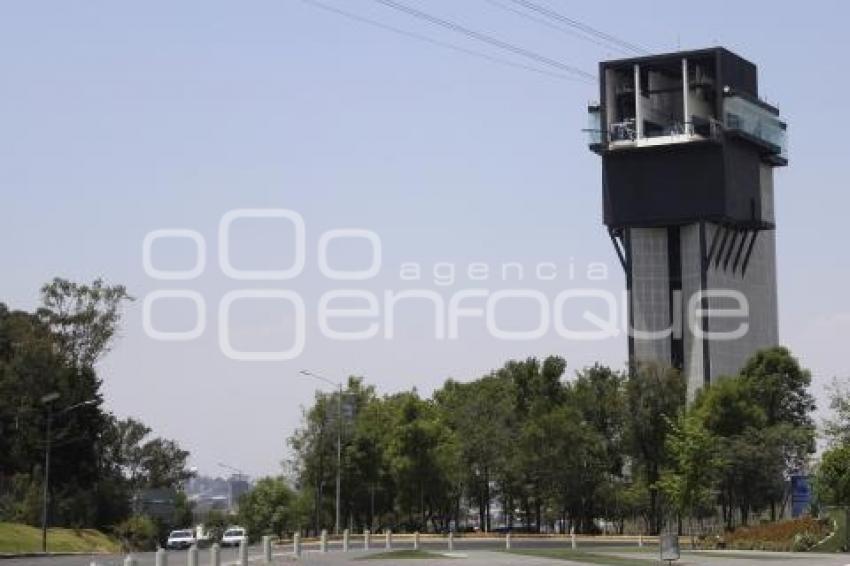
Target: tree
x,y
773,381
837,428
315,448
84,318
137,533
727,411
143,461
598,392
566,460
95,460
31,366
762,421
604,445
655,395
414,453
696,465
780,386
216,523
832,481
480,414
537,389
369,485
268,508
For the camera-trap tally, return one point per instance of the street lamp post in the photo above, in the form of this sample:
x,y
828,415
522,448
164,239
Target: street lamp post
x,y
338,385
47,401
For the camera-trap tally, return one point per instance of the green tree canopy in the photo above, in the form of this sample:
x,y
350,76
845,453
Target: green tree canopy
x,y
832,481
268,509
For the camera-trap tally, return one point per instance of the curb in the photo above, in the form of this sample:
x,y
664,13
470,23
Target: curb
x,y
6,556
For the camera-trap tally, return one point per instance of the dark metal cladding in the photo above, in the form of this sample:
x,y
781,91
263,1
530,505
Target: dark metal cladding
x,y
713,176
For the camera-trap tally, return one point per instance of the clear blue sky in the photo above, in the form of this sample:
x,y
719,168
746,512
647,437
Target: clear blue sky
x,y
118,119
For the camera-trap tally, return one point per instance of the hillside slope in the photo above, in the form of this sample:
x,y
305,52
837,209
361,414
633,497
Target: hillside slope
x,y
17,538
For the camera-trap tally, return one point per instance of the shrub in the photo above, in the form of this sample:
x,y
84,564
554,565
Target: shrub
x,y
803,542
796,534
137,533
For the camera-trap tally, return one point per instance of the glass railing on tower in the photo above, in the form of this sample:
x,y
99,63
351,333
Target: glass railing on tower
x,y
757,121
594,125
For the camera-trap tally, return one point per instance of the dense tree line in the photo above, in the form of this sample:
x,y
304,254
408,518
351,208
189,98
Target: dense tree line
x,y
98,461
600,448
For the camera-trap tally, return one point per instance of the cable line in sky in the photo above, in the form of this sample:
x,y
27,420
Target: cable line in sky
x,y
552,14
490,40
426,39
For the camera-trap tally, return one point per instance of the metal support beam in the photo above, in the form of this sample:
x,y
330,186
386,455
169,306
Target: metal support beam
x,y
749,253
619,247
735,234
638,110
722,246
740,251
715,239
686,112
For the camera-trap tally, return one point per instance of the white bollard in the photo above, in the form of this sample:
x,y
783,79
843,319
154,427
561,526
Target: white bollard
x,y
345,540
366,537
573,540
243,553
640,541
296,544
267,549
388,539
323,541
508,541
161,557
451,541
416,540
215,555
130,561
192,556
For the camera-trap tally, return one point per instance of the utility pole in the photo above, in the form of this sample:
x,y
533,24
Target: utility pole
x,y
47,401
338,454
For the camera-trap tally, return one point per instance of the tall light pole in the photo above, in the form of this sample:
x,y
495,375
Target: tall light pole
x,y
47,401
338,385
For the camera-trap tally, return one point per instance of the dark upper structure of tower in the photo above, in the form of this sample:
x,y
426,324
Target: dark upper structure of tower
x,y
688,151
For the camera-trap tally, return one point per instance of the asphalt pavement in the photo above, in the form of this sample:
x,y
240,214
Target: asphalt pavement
x,y
466,552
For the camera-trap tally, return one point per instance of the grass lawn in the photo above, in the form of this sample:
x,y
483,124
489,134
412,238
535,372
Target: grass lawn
x,y
15,538
583,556
732,554
402,555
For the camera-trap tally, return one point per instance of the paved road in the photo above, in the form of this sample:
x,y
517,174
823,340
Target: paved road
x,y
230,555
470,552
492,558
175,558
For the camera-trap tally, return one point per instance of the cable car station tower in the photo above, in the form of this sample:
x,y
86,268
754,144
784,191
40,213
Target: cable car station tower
x,y
688,151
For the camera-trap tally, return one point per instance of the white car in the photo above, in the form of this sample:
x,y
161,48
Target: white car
x,y
181,539
234,536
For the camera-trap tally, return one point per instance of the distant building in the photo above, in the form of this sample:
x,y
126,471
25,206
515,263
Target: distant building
x,y
238,486
155,503
209,494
